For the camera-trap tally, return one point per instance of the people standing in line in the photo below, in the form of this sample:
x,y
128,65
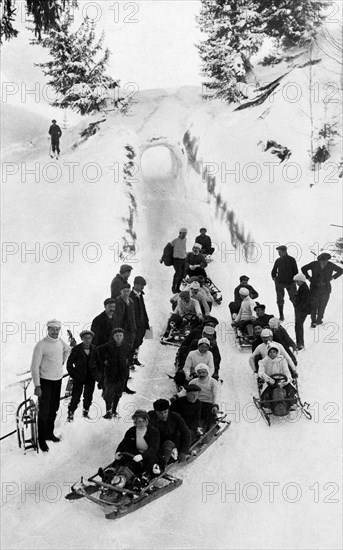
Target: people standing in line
x,y
125,310
55,133
179,258
302,307
110,367
284,269
120,280
141,316
322,272
48,358
79,369
103,324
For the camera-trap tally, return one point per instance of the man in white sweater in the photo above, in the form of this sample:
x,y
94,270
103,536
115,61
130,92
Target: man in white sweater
x,y
48,358
209,395
246,314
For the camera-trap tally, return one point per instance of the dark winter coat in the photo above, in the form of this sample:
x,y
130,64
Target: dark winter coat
x,y
302,300
78,364
126,314
284,269
55,132
195,259
263,320
321,277
195,334
110,364
258,340
141,316
167,255
282,337
152,438
205,242
102,327
238,297
174,429
116,285
190,412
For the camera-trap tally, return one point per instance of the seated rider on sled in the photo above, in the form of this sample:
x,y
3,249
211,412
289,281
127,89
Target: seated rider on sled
x,y
136,454
273,370
186,307
246,315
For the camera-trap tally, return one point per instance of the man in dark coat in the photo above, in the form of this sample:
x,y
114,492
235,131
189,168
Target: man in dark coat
x,y
205,241
195,262
79,369
322,272
243,283
111,370
103,324
263,318
55,132
141,316
125,310
284,269
120,280
189,407
174,432
281,336
302,308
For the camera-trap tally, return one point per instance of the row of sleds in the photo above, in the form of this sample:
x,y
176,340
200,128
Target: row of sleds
x,y
140,490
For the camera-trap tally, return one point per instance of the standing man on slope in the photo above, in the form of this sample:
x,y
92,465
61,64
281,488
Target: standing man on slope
x,y
284,269
120,280
179,258
55,133
48,358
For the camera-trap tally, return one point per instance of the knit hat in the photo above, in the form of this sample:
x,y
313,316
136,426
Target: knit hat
x,y
183,230
161,405
324,256
202,366
54,323
273,322
140,413
125,267
84,332
139,280
192,387
184,294
109,301
208,330
282,247
299,277
117,330
197,245
266,332
195,285
244,291
244,278
204,341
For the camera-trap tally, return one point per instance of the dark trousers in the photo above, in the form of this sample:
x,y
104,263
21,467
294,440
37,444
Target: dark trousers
x,y
300,317
207,416
319,299
196,272
112,392
267,394
280,292
49,403
234,307
179,268
55,145
78,387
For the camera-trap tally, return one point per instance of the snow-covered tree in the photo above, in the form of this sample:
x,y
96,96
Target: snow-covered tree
x,y
235,30
46,15
77,69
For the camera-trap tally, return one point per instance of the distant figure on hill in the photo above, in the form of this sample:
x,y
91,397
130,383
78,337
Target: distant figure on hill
x,y
55,132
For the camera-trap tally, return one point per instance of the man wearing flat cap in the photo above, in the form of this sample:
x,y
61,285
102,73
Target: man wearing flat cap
x,y
48,358
322,272
120,280
79,369
103,324
141,316
284,269
205,241
179,257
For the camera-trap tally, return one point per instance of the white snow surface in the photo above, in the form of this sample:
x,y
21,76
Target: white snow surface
x,y
298,460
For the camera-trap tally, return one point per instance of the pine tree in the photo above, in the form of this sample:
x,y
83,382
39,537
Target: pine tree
x,y
236,28
46,15
77,70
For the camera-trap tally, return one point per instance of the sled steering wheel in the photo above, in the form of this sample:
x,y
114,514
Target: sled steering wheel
x,y
189,318
279,377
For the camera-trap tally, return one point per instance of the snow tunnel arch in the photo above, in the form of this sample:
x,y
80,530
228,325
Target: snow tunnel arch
x,y
161,158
